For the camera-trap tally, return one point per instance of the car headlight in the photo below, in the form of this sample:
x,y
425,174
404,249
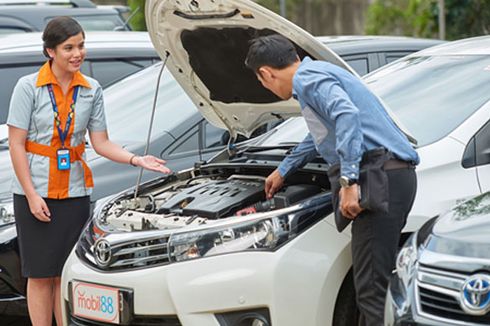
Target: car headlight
x,y
262,234
406,260
6,212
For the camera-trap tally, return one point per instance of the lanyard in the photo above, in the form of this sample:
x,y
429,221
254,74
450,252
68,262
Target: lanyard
x,y
63,134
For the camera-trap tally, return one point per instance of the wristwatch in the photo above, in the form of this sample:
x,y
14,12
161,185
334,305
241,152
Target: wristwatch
x,y
346,181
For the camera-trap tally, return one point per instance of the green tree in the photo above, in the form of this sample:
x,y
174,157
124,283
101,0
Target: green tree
x,y
137,22
464,18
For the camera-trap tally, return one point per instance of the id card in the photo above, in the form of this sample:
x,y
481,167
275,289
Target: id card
x,y
63,156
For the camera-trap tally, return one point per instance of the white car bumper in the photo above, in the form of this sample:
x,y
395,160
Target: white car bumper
x,y
298,283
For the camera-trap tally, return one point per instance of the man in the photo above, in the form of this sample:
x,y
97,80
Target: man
x,y
345,120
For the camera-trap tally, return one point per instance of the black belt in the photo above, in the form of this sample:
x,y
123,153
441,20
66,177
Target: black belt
x,y
395,164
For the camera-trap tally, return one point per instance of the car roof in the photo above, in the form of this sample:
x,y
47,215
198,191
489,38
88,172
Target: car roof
x,y
373,43
33,41
470,46
23,48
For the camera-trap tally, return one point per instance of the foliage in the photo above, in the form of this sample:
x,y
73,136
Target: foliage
x,y
137,22
464,18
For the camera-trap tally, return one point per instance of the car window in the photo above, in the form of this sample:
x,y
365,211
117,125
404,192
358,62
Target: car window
x,y
189,143
433,95
392,56
129,104
214,136
360,65
10,76
107,71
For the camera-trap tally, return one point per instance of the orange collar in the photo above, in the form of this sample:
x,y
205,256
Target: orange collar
x,y
46,77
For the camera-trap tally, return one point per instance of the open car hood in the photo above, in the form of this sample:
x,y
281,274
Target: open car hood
x,y
206,42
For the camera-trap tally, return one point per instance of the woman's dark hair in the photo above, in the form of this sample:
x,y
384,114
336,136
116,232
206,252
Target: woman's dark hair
x,y
58,30
274,50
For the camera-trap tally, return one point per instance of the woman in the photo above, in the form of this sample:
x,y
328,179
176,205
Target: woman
x,y
50,112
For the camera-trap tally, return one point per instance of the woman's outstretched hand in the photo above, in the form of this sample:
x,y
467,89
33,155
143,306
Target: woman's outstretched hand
x,y
152,163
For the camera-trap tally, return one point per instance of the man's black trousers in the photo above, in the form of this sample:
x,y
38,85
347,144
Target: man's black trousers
x,y
375,240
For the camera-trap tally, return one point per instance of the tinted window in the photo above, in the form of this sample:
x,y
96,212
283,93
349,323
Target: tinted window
x,y
129,104
214,136
390,57
360,65
10,75
189,143
108,71
433,95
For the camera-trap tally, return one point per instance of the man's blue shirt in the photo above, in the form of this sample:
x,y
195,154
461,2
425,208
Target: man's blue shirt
x,y
344,119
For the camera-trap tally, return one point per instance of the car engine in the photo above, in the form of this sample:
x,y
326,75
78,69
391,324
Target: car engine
x,y
200,201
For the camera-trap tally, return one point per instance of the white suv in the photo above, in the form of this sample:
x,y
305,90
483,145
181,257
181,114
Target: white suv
x,y
204,246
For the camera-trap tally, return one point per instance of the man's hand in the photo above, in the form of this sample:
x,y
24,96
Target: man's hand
x,y
273,183
349,201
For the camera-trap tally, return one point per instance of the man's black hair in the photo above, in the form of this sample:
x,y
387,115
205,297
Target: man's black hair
x,y
58,30
274,50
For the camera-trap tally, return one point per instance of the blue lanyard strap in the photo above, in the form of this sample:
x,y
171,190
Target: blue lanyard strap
x,y
63,134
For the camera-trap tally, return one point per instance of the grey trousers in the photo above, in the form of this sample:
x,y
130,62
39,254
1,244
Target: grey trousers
x,y
375,240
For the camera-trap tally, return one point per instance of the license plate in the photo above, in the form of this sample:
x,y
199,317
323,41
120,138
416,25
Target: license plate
x,y
96,302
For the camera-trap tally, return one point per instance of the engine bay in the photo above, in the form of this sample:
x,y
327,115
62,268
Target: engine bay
x,y
200,200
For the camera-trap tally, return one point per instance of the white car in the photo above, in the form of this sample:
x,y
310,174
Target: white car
x,y
204,247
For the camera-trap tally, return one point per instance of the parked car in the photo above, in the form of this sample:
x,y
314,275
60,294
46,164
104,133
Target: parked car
x,y
442,274
20,16
110,56
366,53
204,246
180,134
196,140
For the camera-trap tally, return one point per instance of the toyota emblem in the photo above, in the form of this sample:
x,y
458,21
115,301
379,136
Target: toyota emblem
x,y
102,252
475,294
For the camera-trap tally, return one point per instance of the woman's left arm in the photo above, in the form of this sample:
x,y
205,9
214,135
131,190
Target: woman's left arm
x,y
104,147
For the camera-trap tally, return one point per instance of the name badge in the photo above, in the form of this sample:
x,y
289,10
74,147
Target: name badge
x,y
63,156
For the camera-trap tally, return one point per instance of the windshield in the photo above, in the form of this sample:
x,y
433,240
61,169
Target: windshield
x,y
129,102
431,96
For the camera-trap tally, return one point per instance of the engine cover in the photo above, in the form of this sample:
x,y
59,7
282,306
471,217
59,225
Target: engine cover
x,y
215,199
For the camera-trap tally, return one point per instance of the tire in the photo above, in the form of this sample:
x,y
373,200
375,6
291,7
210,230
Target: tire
x,y
346,312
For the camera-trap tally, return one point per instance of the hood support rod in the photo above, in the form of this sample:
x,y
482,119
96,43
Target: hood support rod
x,y
147,146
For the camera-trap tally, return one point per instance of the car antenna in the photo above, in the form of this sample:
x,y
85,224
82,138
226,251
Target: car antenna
x,y
147,146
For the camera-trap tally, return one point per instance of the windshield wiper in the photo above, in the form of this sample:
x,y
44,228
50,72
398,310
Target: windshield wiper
x,y
266,148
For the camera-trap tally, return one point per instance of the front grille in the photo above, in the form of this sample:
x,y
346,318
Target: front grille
x,y
446,306
133,253
137,320
439,296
